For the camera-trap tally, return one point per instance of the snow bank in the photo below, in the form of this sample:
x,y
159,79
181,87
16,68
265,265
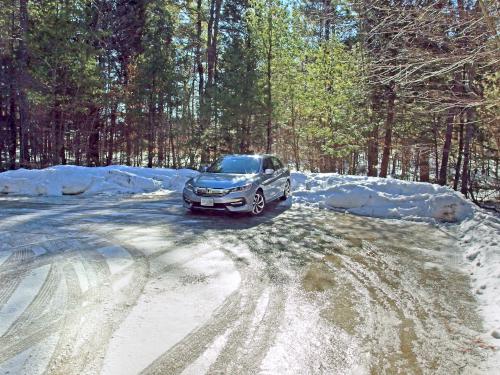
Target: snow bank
x,y
74,180
480,237
369,196
381,197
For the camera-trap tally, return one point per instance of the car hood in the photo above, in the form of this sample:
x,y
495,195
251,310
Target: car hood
x,y
223,180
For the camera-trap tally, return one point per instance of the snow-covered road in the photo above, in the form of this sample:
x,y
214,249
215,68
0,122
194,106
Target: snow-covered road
x,y
134,284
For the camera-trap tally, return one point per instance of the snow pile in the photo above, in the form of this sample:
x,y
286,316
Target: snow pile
x,y
480,237
381,197
369,196
75,180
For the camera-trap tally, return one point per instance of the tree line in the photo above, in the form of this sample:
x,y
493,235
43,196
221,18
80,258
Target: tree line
x,y
408,89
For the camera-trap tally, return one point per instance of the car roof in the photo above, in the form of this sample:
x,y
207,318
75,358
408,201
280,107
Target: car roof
x,y
254,155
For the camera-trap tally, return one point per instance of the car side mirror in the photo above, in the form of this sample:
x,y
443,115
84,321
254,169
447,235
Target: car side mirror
x,y
203,168
269,171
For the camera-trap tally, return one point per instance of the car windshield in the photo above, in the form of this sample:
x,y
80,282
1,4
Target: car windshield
x,y
236,165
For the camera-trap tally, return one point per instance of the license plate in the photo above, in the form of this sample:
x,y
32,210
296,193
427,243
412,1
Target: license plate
x,y
207,202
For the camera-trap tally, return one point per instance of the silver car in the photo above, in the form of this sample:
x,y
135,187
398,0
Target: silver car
x,y
238,183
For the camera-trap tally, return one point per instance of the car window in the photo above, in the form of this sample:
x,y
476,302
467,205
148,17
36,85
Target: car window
x,y
277,164
236,164
268,164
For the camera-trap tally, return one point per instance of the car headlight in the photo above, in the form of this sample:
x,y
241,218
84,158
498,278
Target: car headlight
x,y
242,188
189,186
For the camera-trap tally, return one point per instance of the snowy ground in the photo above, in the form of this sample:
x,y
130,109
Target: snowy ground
x,y
224,295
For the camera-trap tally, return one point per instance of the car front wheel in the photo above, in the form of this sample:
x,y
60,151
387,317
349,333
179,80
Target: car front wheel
x,y
258,203
286,191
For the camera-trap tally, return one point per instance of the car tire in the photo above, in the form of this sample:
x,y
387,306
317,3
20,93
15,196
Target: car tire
x,y
286,191
258,203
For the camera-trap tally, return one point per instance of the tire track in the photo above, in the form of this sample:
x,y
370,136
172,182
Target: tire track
x,y
234,314
254,331
248,344
17,338
16,259
69,327
105,310
58,306
7,287
193,345
39,308
13,347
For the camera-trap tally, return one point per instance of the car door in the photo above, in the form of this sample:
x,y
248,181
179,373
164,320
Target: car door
x,y
280,176
269,181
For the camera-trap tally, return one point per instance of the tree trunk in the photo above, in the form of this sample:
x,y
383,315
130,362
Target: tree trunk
x,y
373,151
172,145
161,134
354,163
243,141
22,59
469,133
443,172
93,140
295,138
460,151
58,131
373,137
161,146
394,164
202,118
199,63
78,147
127,123
269,107
327,10
170,149
12,129
436,150
207,95
111,136
62,149
213,31
150,136
128,143
424,165
405,163
391,97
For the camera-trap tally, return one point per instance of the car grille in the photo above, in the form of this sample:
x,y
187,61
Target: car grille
x,y
210,192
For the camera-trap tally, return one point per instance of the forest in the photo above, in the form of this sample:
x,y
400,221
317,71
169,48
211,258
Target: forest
x,y
401,88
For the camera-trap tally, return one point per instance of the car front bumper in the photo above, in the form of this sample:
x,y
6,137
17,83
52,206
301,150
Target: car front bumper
x,y
234,202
